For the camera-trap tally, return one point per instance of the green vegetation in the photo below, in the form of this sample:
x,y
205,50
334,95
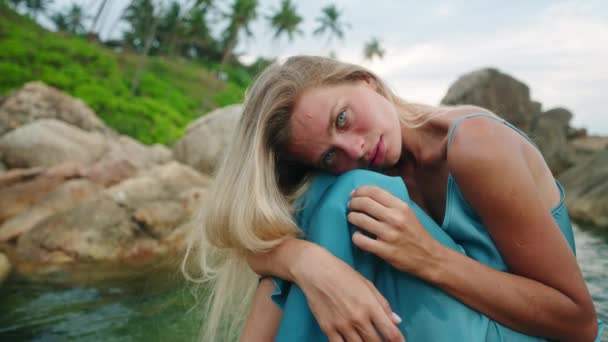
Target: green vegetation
x,y
172,92
166,70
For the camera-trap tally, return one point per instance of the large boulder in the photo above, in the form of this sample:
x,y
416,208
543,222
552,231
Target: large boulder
x,y
36,101
550,132
498,92
587,187
23,188
49,142
206,139
65,196
137,222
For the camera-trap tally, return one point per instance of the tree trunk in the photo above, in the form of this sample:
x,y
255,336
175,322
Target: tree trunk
x,y
94,24
230,45
142,59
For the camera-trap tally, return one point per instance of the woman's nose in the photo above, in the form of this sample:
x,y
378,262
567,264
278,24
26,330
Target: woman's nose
x,y
353,146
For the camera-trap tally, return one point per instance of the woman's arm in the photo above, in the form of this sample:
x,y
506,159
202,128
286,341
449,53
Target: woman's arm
x,y
545,295
345,304
264,318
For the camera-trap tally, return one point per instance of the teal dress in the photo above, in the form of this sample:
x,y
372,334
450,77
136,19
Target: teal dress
x,y
428,313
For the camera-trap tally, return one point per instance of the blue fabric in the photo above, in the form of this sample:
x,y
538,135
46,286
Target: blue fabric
x,y
428,313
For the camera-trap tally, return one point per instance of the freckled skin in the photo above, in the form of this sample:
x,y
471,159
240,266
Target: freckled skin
x,y
369,116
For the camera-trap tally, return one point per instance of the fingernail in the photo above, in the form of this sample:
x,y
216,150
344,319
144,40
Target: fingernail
x,y
396,318
352,192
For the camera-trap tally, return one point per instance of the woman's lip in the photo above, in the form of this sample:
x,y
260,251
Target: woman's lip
x,y
379,154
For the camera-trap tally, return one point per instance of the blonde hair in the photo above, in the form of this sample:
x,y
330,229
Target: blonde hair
x,y
250,203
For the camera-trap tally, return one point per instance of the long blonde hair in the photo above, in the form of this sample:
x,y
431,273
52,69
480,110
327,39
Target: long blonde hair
x,y
249,206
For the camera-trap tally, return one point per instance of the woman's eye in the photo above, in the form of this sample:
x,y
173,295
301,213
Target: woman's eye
x,y
341,119
329,158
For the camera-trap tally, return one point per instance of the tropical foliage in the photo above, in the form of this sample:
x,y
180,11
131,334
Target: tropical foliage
x,y
169,65
373,49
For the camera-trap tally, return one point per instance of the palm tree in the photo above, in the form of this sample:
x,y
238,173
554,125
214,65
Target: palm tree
x,y
330,22
96,19
37,6
70,22
15,4
140,16
198,42
243,13
373,49
286,20
169,27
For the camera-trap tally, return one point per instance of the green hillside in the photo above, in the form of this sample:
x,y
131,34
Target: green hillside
x,y
172,92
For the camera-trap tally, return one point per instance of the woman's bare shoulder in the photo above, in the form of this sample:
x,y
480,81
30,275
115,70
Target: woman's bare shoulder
x,y
462,110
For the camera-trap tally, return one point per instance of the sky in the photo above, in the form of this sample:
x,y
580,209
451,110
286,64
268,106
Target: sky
x,y
558,48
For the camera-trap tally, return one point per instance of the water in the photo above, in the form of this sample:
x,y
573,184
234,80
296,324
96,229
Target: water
x,y
154,309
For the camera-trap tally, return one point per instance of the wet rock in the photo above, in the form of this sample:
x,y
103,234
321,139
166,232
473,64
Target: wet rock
x,y
17,196
65,196
97,230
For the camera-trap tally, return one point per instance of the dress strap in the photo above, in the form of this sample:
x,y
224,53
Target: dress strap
x,y
494,117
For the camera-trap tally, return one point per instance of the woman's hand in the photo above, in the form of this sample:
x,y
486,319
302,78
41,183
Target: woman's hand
x,y
347,306
400,238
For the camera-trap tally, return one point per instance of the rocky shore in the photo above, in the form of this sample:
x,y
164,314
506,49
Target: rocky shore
x,y
76,196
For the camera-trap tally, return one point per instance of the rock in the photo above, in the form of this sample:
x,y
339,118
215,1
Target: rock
x,y
498,92
36,101
5,268
108,172
18,197
48,142
14,176
550,132
207,138
97,230
163,182
24,188
159,218
575,133
586,185
68,195
140,155
591,143
138,222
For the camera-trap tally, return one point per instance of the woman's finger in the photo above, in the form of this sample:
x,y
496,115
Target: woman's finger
x,y
335,337
377,247
351,335
368,223
368,333
387,328
379,195
386,306
370,207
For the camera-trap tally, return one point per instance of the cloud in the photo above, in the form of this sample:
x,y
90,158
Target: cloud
x,y
561,55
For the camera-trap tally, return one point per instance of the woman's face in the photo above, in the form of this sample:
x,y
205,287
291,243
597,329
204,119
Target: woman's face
x,y
344,127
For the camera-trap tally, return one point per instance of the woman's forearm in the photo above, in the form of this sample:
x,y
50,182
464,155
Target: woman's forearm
x,y
264,318
518,302
283,260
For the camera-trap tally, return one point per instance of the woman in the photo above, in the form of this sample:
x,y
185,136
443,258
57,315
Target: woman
x,y
313,113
